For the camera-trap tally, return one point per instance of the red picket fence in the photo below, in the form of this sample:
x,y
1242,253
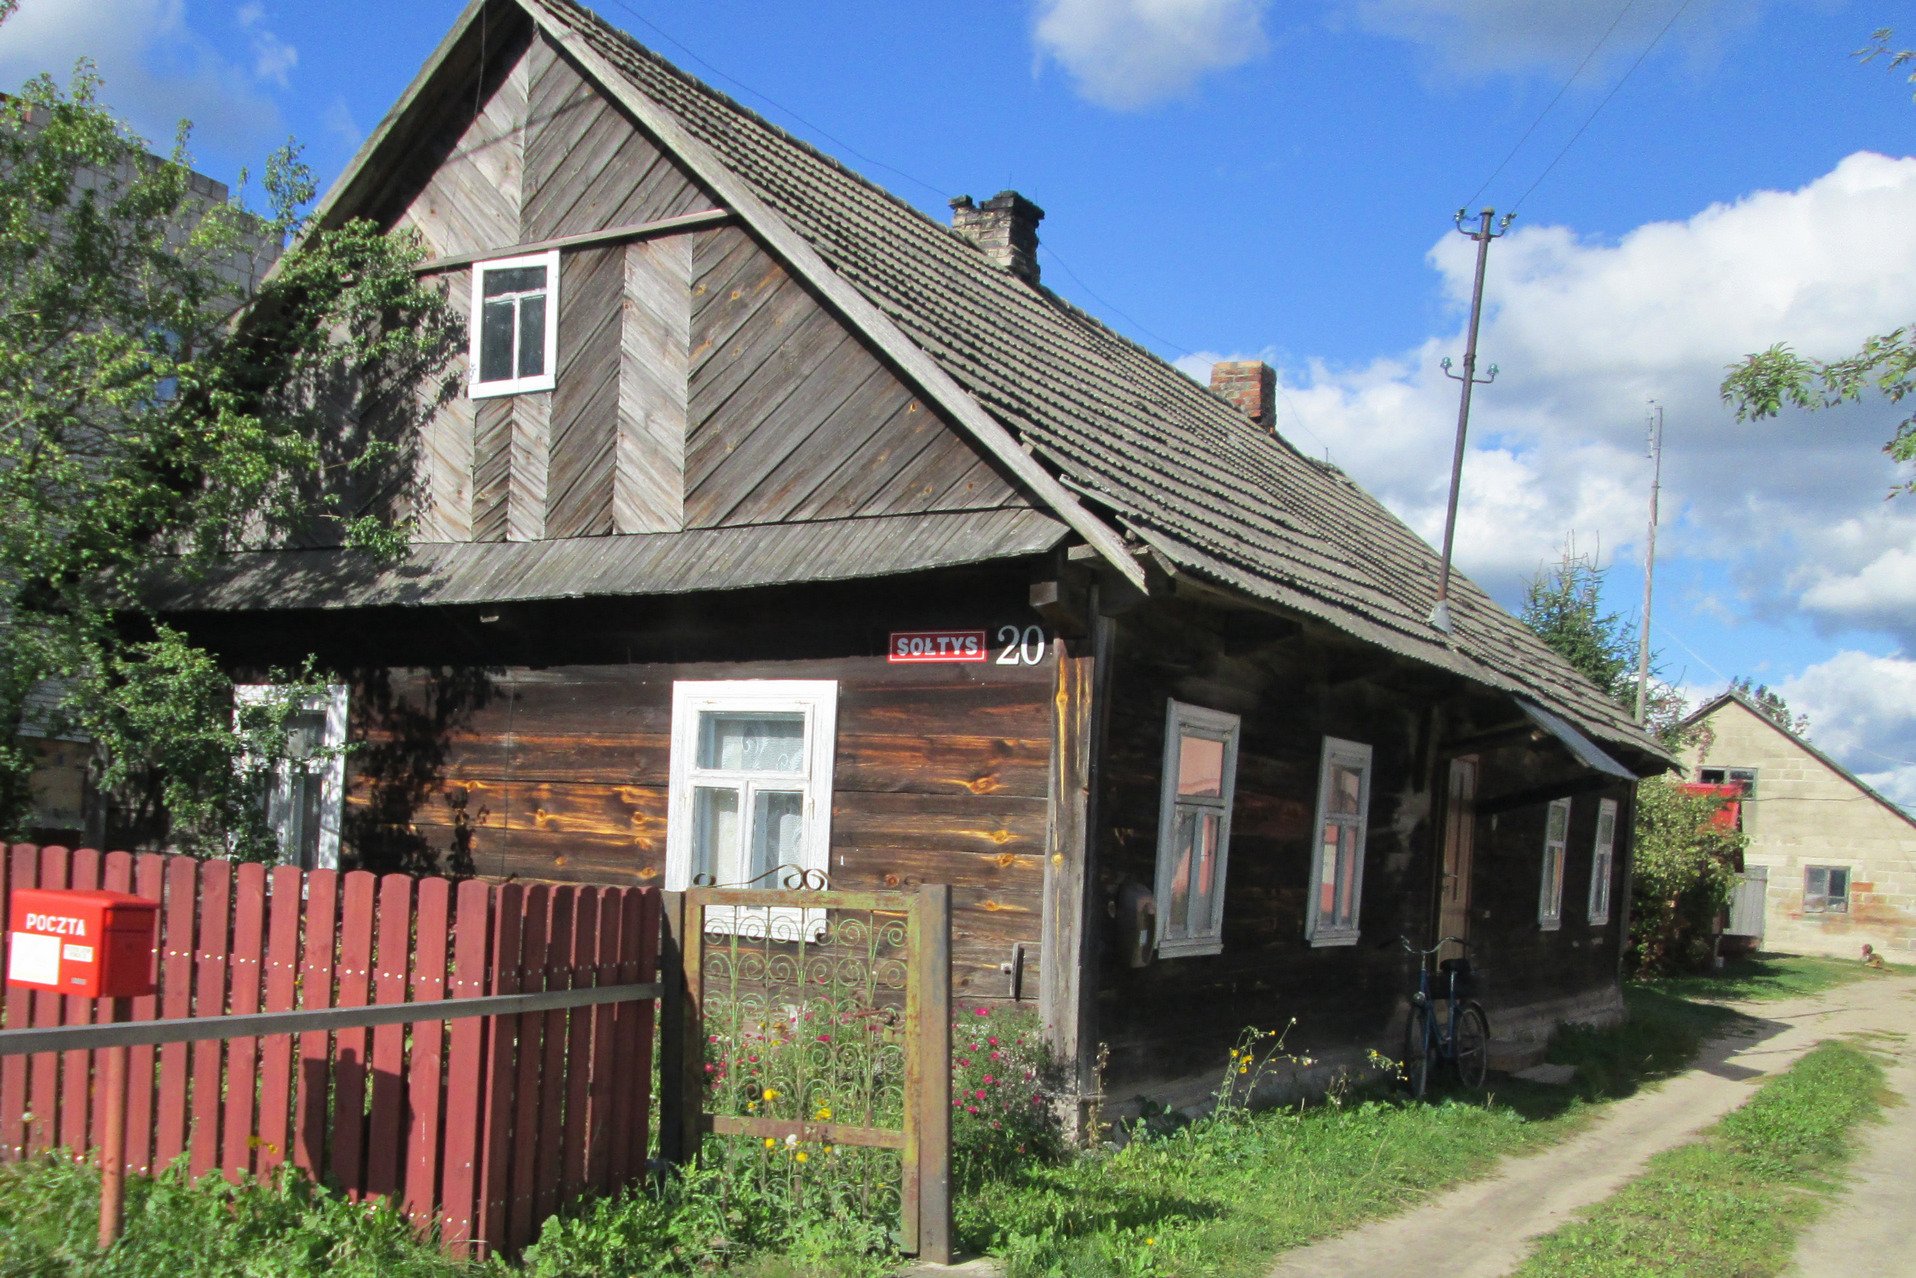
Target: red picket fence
x,y
482,1126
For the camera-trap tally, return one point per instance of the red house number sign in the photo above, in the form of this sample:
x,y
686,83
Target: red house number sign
x,y
1021,647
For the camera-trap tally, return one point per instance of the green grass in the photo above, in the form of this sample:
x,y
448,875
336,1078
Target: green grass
x,y
1770,976
1220,1197
1730,1204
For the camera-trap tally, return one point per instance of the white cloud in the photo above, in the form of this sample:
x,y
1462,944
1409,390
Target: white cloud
x,y
1477,36
156,67
272,57
1862,711
1131,53
1587,332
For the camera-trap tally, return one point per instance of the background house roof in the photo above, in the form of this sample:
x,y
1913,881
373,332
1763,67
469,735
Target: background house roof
x,y
1710,707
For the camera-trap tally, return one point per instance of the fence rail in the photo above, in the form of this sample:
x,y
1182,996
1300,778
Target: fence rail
x,y
479,1119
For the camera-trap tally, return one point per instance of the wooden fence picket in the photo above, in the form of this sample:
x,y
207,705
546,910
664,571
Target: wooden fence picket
x,y
481,1126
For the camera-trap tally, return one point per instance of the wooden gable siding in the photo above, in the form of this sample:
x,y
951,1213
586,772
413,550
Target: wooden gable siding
x,y
793,417
698,384
561,774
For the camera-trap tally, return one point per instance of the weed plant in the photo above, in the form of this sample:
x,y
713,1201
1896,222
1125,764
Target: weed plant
x,y
1730,1204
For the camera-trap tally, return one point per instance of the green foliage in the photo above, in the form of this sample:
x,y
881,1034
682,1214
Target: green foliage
x,y
1563,606
1771,706
1731,1203
50,1214
163,400
1659,1037
1760,385
1764,977
1002,1080
1684,871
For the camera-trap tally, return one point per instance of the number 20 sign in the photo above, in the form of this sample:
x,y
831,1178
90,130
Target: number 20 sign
x,y
1017,646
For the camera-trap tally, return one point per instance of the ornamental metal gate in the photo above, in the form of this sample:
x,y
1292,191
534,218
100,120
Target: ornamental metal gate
x,y
810,1033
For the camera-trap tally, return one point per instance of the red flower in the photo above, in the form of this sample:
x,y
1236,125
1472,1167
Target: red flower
x,y
992,1041
994,1056
980,1094
981,1011
987,1083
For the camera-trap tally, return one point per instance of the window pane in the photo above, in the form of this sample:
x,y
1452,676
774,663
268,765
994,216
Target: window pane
x,y
752,741
1347,853
1327,874
1606,830
520,279
1559,822
1183,836
305,733
1347,787
302,839
495,343
1200,827
715,836
778,834
1839,892
1200,767
532,337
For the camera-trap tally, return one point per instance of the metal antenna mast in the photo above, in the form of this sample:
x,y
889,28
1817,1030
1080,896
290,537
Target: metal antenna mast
x,y
1440,615
1655,452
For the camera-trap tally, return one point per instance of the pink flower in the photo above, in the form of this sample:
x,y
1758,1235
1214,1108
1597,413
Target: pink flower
x,y
994,1056
987,1083
980,1094
963,1063
992,1041
981,1011
971,1109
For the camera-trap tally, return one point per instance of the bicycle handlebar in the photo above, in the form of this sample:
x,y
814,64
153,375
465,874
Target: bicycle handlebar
x,y
1448,940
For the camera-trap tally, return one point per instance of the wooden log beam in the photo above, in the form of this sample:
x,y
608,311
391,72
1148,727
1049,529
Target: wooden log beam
x,y
584,239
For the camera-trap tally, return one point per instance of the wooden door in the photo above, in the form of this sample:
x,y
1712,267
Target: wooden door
x,y
1460,826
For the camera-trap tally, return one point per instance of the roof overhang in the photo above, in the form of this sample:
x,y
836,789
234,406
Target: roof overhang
x,y
1579,745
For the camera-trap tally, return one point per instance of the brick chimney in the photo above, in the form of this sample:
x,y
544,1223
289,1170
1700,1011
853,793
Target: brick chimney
x,y
1005,228
1251,387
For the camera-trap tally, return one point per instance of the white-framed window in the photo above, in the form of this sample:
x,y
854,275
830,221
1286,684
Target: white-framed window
x,y
1602,860
751,782
1337,860
306,798
514,324
1194,827
1556,842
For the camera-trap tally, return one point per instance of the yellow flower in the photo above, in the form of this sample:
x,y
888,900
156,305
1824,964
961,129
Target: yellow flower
x,y
823,1114
800,1155
1150,1242
1244,1069
770,1094
769,1142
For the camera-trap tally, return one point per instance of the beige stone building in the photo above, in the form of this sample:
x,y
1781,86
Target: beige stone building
x,y
1839,858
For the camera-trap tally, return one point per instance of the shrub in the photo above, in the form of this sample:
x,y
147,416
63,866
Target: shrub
x,y
1684,871
1003,1083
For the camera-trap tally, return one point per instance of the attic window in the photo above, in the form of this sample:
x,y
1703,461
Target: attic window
x,y
515,329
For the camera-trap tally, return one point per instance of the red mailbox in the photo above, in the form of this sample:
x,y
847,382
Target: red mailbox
x,y
75,941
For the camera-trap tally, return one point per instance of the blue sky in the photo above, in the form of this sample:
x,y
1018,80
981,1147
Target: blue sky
x,y
1228,178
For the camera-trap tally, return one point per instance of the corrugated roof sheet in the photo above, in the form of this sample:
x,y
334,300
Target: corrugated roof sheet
x,y
629,564
1198,481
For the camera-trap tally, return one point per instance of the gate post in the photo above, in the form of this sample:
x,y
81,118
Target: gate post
x,y
933,963
681,1058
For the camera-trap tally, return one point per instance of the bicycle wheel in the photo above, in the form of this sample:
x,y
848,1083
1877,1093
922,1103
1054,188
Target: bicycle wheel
x,y
1472,1042
1417,1048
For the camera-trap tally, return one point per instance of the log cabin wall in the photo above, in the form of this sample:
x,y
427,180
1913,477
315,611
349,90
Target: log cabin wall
x,y
1170,1025
536,744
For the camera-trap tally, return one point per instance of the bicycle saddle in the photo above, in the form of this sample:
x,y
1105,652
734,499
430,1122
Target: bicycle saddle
x,y
1461,966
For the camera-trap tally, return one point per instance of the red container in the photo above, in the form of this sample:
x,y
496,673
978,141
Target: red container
x,y
81,942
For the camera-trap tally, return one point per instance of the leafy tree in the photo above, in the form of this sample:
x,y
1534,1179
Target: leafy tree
x,y
164,400
1761,384
1683,871
1771,706
1563,606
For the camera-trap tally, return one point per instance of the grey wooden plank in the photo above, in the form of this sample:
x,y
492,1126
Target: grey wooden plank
x,y
584,407
603,189
917,487
531,450
725,300
548,207
648,483
677,224
446,446
791,325
825,449
769,427
664,190
491,467
876,463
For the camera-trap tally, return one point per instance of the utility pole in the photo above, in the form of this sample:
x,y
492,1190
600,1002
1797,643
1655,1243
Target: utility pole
x,y
1649,565
1440,615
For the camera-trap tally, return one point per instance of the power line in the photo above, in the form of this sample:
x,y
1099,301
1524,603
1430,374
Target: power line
x,y
1601,41
1591,119
1065,267
785,110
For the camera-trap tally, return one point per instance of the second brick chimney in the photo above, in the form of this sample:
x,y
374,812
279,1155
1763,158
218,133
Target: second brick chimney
x,y
1005,228
1251,387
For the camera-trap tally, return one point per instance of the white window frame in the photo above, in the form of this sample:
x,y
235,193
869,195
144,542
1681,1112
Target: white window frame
x,y
817,700
514,385
1354,754
1556,854
1603,855
1180,721
332,769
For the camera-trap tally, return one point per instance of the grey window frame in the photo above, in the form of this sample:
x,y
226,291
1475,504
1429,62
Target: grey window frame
x,y
1359,755
1603,860
1180,721
1556,855
1824,897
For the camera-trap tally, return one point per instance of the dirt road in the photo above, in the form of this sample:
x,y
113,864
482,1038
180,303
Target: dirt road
x,y
1484,1229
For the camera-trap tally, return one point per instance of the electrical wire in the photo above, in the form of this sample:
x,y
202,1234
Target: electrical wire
x,y
1601,41
784,110
1591,119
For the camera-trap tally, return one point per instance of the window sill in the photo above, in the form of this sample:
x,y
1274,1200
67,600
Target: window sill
x,y
1323,939
1603,921
1190,949
494,390
1550,925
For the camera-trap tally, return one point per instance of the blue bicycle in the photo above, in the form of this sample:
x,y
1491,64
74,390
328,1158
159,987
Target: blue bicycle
x,y
1463,1037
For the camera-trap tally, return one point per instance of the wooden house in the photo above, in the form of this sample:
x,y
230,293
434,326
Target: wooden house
x,y
782,525
1831,864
